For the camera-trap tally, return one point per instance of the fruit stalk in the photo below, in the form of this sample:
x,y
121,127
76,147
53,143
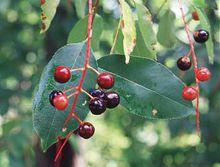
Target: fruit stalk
x,y
86,64
195,63
82,79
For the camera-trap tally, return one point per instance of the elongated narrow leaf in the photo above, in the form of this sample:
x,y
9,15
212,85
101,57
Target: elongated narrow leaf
x,y
128,30
49,8
166,32
145,33
48,121
204,22
80,6
140,48
147,88
200,3
79,31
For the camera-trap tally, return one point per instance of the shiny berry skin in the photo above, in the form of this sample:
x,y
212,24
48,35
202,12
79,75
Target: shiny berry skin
x,y
201,36
97,106
184,63
53,94
203,74
61,102
62,74
105,80
195,16
98,93
86,130
189,93
112,99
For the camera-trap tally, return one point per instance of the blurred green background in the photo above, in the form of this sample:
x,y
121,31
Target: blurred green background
x,y
121,139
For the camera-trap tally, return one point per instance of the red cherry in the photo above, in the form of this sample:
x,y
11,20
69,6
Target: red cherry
x,y
105,80
189,93
61,102
62,74
203,74
42,2
86,130
195,16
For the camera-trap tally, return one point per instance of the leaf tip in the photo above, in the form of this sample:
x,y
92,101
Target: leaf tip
x,y
127,59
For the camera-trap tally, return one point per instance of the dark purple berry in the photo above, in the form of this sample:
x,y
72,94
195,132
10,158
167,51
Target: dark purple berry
x,y
53,94
112,99
184,63
201,36
98,93
97,106
86,130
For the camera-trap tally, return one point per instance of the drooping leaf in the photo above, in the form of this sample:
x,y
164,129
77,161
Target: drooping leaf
x,y
200,3
204,22
49,8
148,89
119,49
140,48
80,6
166,31
146,38
128,29
79,31
48,121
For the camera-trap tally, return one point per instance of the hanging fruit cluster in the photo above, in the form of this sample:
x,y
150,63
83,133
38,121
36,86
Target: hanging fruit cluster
x,y
184,63
100,99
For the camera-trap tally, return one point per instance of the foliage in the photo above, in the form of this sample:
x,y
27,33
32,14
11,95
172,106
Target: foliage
x,y
154,142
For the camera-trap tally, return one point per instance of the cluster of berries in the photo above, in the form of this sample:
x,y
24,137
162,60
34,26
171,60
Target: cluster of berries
x,y
184,63
99,102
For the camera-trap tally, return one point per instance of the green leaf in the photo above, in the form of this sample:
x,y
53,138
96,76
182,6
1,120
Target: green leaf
x,y
48,121
148,89
79,31
80,6
146,38
204,22
140,48
49,8
128,29
119,49
166,31
200,3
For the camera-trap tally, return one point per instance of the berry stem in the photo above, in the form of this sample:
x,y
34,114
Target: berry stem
x,y
70,89
77,69
91,97
73,94
195,62
77,118
189,53
93,69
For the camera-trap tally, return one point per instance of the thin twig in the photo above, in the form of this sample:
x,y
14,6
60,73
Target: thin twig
x,y
191,43
61,148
